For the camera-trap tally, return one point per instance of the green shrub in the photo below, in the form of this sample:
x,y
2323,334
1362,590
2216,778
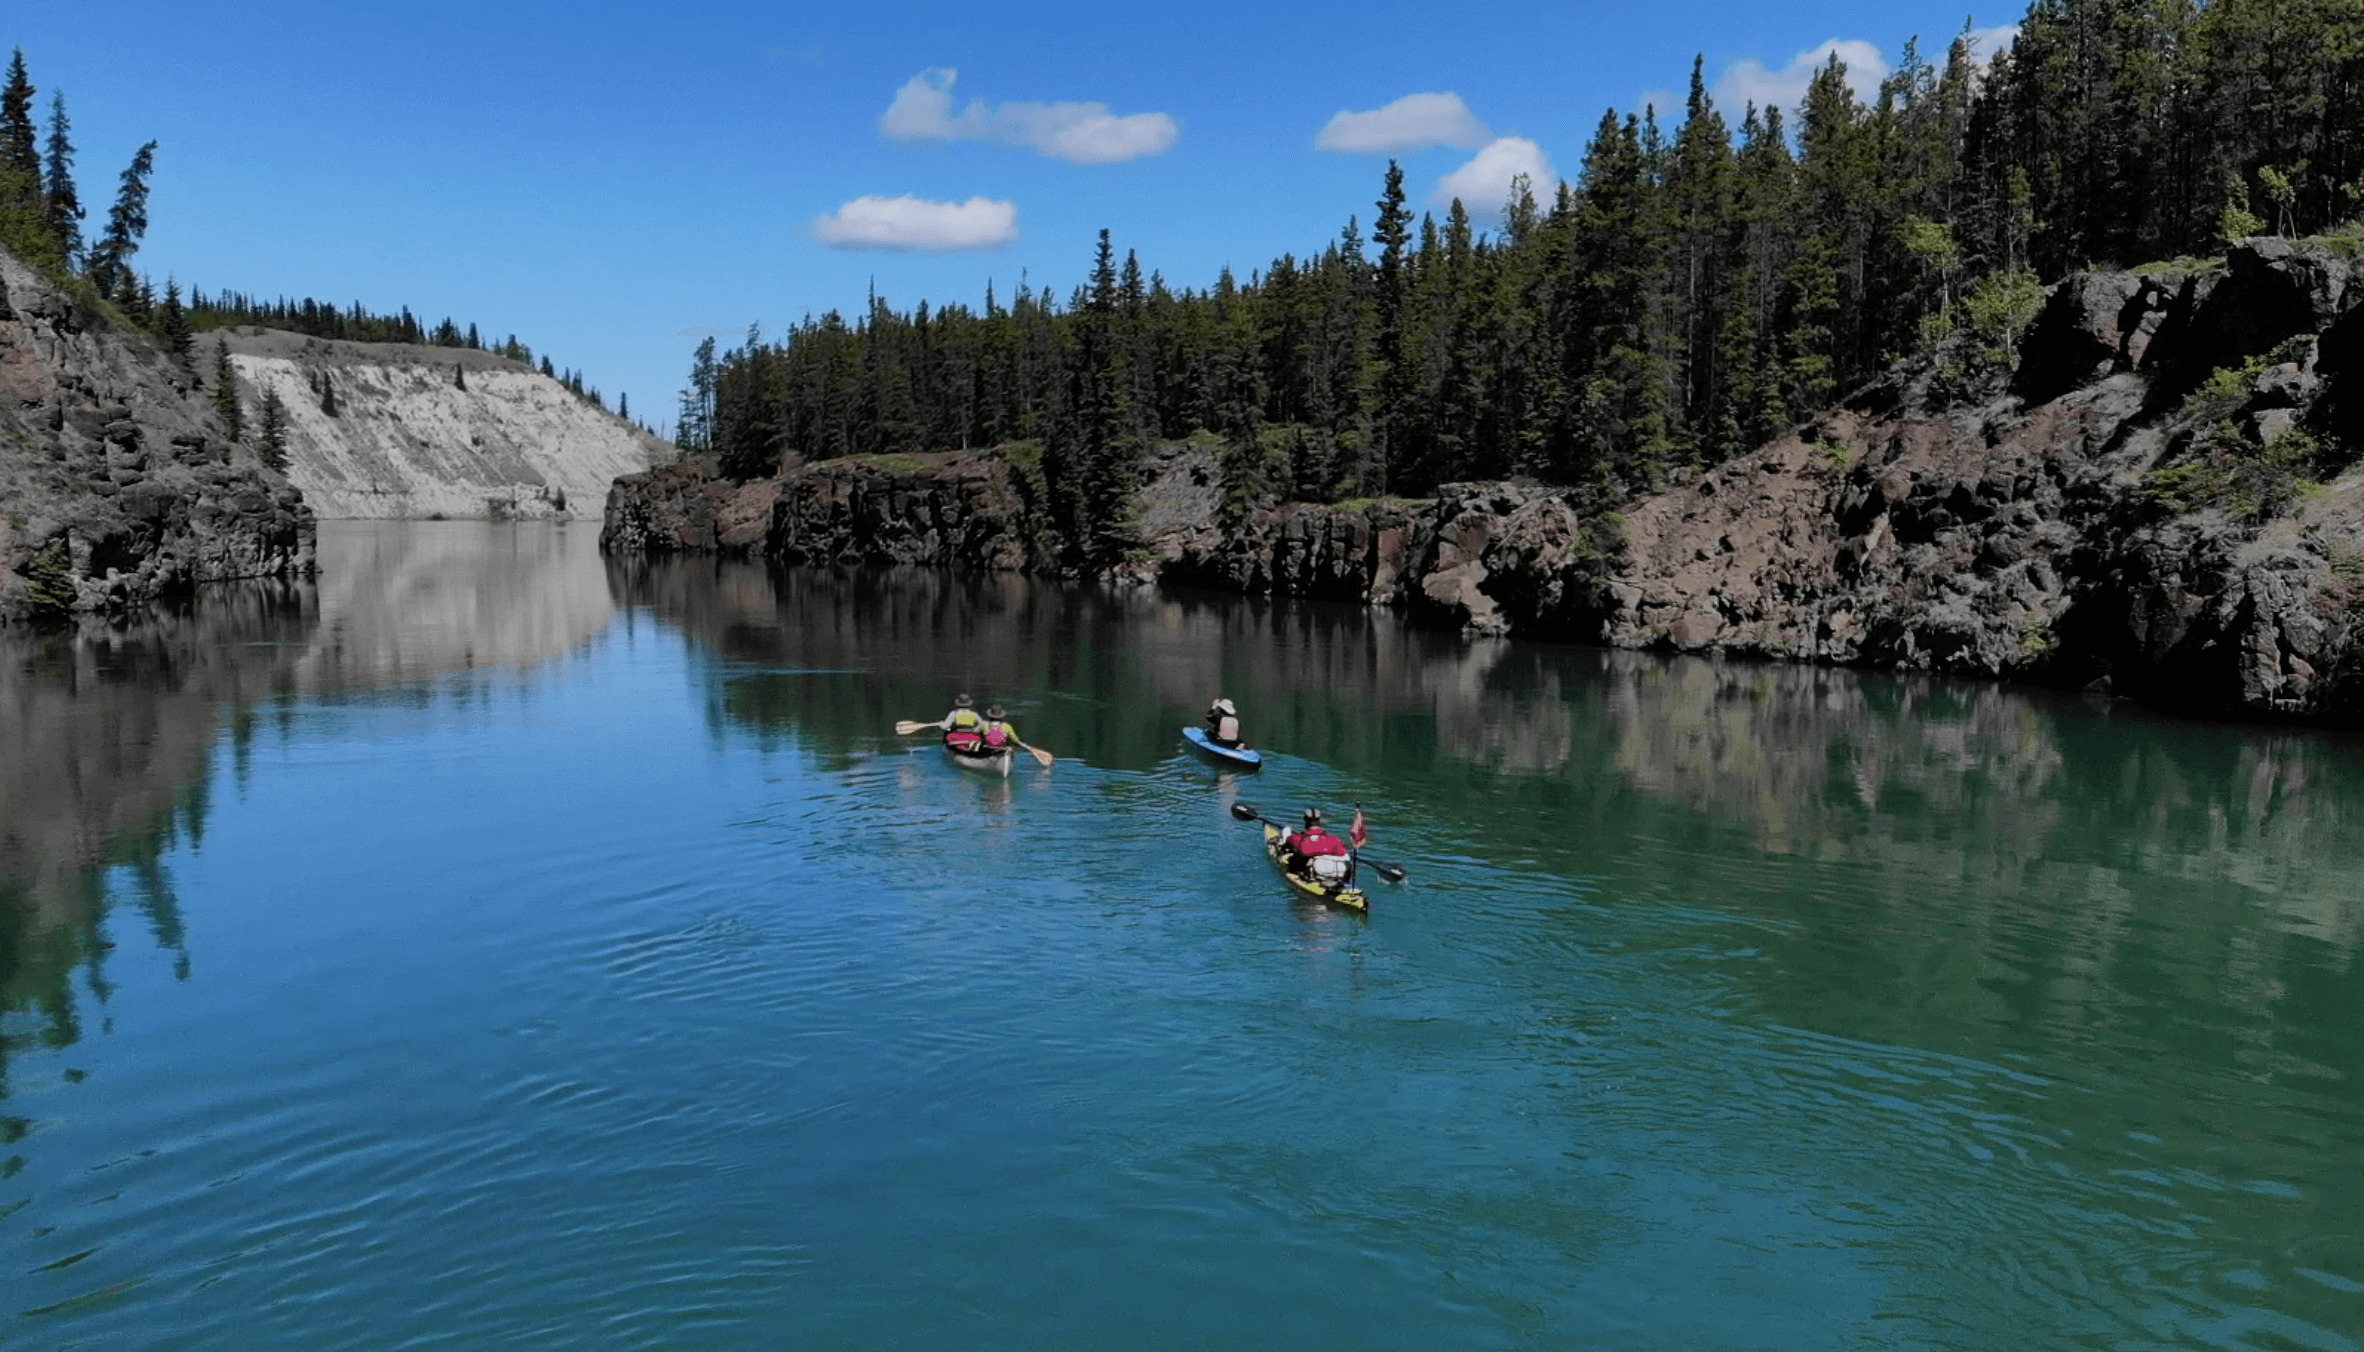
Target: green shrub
x,y
2347,561
2251,483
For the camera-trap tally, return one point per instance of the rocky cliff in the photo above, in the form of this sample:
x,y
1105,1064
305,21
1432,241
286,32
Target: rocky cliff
x,y
398,430
2152,494
117,485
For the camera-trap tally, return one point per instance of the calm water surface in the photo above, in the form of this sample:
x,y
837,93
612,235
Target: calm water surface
x,y
492,947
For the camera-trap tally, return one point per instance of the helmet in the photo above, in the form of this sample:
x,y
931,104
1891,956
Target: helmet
x,y
962,700
996,712
1313,816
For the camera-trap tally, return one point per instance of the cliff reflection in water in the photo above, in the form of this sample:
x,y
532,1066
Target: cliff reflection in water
x,y
1964,859
108,730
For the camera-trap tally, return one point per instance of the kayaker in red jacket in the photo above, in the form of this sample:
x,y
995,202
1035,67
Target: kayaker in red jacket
x,y
1313,841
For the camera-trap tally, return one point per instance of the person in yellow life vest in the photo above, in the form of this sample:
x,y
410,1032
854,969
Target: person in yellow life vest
x,y
1223,724
963,729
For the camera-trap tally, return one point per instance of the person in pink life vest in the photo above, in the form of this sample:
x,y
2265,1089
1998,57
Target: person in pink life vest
x,y
996,734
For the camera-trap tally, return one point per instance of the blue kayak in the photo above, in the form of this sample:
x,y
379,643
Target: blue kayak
x,y
1244,757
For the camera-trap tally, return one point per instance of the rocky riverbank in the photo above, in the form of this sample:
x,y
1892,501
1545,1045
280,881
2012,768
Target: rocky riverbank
x,y
117,484
2150,496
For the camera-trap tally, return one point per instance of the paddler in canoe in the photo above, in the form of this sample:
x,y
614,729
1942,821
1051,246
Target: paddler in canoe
x,y
977,740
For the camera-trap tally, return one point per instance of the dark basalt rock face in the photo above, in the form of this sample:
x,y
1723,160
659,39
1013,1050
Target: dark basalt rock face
x,y
2022,537
117,486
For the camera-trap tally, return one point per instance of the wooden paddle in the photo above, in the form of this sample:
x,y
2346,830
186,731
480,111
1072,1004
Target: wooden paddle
x,y
1393,873
908,726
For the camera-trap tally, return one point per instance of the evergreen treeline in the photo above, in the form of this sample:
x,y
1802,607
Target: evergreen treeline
x,y
41,210
41,217
1695,292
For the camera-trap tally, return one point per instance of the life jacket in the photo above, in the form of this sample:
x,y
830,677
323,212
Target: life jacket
x,y
967,731
999,735
1314,840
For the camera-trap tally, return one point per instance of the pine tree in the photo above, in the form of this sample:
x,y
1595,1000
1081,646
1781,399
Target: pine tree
x,y
271,435
172,324
24,226
127,224
1392,229
20,145
62,205
225,391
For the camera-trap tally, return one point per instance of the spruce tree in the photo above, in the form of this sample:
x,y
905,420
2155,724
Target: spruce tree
x,y
225,391
172,324
20,143
23,224
1392,229
127,224
62,205
271,435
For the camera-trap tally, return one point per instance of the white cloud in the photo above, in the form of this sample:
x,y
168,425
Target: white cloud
x,y
1080,133
1667,103
1483,184
1747,81
1413,122
1988,43
916,223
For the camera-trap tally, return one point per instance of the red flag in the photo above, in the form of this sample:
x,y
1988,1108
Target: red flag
x,y
1360,832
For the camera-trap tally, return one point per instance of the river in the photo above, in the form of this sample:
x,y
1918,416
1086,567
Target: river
x,y
493,945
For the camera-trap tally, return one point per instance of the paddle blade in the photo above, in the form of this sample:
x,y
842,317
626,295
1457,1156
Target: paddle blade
x,y
1391,872
1044,756
1243,811
908,726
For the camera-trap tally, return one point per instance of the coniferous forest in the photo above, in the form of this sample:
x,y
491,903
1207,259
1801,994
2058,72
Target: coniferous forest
x,y
1708,280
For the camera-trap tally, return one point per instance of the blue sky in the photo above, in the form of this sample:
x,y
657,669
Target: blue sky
x,y
608,180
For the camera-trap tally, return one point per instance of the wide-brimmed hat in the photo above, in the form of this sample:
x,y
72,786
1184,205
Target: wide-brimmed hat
x,y
1226,706
996,711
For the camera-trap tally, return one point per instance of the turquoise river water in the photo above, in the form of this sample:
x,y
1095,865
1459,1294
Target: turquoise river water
x,y
493,946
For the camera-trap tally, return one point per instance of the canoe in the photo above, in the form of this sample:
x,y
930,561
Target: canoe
x,y
1346,896
984,763
1245,758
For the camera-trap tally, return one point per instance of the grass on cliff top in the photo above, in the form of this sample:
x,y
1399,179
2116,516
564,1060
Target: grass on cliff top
x,y
895,462
2184,264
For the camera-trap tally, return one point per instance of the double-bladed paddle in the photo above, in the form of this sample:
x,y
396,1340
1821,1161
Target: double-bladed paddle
x,y
1247,812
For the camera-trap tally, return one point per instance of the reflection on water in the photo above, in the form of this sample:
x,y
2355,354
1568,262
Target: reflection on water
x,y
1730,1006
108,728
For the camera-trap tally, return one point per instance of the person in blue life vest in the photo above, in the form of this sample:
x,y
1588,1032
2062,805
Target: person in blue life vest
x,y
1223,725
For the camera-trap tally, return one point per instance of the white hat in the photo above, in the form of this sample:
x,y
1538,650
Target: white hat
x,y
1225,706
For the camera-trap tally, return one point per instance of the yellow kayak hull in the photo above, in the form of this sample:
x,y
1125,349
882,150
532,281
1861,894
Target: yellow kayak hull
x,y
1345,898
